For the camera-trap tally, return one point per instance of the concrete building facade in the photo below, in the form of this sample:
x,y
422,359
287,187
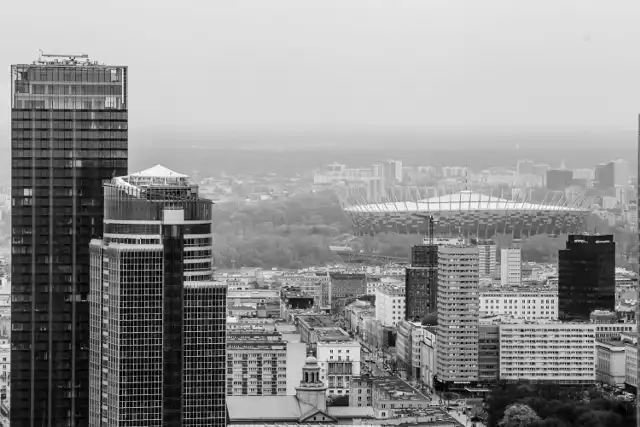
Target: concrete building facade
x,y
458,283
556,353
511,267
390,304
529,305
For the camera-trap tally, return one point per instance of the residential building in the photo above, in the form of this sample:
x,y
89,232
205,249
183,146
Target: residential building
x,y
610,362
390,304
488,354
157,317
339,360
345,286
68,134
555,353
421,282
457,350
530,305
353,313
511,267
586,276
408,342
257,361
487,258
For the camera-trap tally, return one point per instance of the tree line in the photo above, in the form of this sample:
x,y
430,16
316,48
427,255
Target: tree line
x,y
529,405
296,232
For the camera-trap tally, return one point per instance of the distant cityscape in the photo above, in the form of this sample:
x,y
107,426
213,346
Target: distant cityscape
x,y
389,295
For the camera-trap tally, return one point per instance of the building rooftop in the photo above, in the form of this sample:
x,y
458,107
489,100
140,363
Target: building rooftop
x,y
333,333
316,320
267,408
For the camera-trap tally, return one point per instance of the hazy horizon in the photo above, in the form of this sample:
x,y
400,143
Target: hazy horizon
x,y
280,72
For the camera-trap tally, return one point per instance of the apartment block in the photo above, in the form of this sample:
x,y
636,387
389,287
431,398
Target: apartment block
x,y
458,283
556,353
511,267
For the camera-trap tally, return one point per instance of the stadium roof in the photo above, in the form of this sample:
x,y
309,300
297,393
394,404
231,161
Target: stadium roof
x,y
462,201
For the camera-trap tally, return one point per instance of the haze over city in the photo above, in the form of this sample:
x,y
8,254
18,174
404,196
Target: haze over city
x,y
305,212
461,73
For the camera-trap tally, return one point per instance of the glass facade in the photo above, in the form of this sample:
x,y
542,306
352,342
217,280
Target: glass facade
x,y
68,134
158,320
586,276
421,282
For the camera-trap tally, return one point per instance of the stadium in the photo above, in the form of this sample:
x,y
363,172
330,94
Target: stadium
x,y
465,213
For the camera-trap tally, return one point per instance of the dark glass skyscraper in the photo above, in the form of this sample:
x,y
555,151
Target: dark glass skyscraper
x,y
421,282
158,319
68,134
586,276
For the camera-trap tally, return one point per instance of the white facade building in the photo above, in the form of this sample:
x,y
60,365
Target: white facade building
x,y
537,305
487,258
390,304
339,361
559,353
511,267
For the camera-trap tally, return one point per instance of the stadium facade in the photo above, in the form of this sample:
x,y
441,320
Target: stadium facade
x,y
464,213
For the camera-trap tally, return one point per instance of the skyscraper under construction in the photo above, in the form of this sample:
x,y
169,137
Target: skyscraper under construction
x,y
68,134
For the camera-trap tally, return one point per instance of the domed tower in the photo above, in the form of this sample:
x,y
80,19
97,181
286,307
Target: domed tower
x,y
311,389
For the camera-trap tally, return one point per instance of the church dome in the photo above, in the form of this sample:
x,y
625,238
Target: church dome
x,y
311,361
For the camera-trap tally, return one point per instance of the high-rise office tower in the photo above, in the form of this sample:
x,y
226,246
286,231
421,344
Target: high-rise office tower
x,y
511,267
69,133
421,282
458,306
487,258
158,319
586,276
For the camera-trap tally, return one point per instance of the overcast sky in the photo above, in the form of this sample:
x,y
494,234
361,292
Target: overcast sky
x,y
419,66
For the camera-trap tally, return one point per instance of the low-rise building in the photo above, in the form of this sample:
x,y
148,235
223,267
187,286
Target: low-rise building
x,y
611,359
307,323
557,353
339,361
389,396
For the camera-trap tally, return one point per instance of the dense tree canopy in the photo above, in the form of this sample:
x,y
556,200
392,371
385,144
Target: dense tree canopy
x,y
518,415
559,407
297,232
